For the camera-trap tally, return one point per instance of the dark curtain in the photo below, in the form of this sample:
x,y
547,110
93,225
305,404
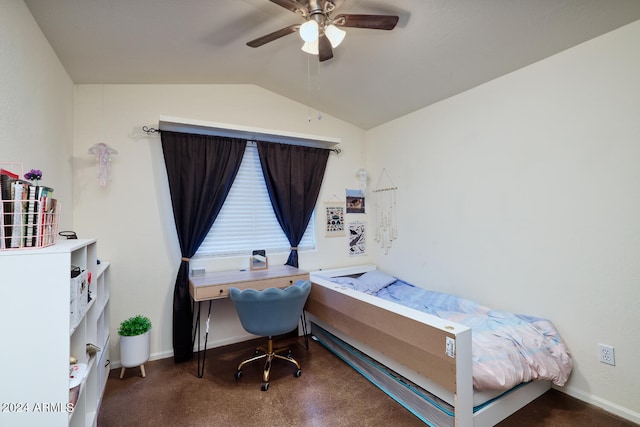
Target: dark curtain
x,y
293,175
200,169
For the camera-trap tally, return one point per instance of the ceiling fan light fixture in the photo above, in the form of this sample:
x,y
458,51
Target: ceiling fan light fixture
x,y
311,47
320,30
309,31
334,34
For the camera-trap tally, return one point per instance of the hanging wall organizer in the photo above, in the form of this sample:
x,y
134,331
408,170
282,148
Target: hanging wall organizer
x,y
386,209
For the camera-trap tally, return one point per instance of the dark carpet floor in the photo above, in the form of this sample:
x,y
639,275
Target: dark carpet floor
x,y
329,393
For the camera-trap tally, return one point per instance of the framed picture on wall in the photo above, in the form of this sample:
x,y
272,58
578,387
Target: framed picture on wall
x,y
355,201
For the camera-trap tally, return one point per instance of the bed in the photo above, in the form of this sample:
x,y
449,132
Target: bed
x,y
425,355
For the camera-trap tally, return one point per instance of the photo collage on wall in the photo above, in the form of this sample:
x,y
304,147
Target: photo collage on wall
x,y
336,223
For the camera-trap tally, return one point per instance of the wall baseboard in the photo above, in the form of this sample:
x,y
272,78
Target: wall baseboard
x,y
115,364
604,404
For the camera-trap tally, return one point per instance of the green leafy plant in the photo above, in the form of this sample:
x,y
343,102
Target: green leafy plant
x,y
136,325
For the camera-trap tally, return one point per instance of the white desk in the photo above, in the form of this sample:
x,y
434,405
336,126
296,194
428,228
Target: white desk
x,y
215,285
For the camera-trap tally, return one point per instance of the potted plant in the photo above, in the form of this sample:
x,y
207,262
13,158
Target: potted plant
x,y
135,343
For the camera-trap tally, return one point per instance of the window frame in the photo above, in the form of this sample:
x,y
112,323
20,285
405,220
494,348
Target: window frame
x,y
250,175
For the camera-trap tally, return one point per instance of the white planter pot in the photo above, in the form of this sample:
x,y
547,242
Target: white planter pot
x,y
134,351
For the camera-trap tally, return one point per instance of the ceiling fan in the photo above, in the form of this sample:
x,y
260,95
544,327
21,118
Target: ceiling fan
x,y
320,31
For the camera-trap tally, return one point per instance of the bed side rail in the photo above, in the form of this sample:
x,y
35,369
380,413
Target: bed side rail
x,y
416,344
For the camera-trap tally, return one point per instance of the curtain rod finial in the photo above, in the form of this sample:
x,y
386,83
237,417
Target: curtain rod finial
x,y
149,131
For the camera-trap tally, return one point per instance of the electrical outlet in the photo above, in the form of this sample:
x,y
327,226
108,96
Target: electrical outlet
x,y
607,354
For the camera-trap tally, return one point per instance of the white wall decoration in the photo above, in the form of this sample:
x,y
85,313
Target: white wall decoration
x,y
335,226
103,159
385,202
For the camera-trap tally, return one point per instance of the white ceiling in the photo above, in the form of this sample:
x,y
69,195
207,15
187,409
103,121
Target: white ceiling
x,y
438,49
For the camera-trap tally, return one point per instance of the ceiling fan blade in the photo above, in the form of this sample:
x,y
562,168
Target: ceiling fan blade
x,y
324,48
372,22
273,36
293,6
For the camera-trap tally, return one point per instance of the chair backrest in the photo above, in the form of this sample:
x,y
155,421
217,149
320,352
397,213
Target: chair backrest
x,y
271,311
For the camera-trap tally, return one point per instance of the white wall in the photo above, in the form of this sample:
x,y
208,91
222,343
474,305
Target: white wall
x,y
523,194
132,217
36,104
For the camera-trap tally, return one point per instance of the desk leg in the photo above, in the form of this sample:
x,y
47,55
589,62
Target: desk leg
x,y
196,325
206,338
196,329
303,319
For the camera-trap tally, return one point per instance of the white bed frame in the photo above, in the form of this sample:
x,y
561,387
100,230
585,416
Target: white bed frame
x,y
411,343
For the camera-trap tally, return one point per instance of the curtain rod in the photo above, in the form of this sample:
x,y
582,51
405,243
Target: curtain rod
x,y
150,130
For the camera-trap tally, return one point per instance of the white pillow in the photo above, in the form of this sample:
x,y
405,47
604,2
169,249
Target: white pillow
x,y
374,280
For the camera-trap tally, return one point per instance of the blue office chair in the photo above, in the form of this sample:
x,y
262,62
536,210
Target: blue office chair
x,y
268,313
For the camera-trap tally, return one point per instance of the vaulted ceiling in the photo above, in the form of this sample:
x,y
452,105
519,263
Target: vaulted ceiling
x,y
438,49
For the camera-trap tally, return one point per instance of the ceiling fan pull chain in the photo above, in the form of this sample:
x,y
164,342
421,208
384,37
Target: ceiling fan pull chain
x,y
309,88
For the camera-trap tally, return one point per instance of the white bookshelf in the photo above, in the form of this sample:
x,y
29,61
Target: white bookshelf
x,y
38,338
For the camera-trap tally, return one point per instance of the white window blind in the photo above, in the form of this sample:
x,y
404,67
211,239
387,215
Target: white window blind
x,y
247,221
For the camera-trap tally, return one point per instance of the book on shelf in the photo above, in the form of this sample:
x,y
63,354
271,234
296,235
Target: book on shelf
x,y
2,243
31,222
17,191
50,222
45,217
28,213
9,174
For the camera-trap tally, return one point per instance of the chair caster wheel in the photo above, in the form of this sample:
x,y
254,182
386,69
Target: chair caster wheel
x,y
238,374
297,373
265,387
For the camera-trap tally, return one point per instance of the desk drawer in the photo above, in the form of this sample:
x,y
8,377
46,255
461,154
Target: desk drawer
x,y
277,282
222,291
212,292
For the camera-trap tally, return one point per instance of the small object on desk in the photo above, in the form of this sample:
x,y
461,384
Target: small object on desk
x,y
197,271
259,260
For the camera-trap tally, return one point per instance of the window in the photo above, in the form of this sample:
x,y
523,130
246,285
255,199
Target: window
x,y
247,220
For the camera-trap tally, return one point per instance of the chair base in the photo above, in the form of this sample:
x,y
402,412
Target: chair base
x,y
269,354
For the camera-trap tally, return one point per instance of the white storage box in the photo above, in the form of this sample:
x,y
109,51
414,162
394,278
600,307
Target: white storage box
x,y
79,298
